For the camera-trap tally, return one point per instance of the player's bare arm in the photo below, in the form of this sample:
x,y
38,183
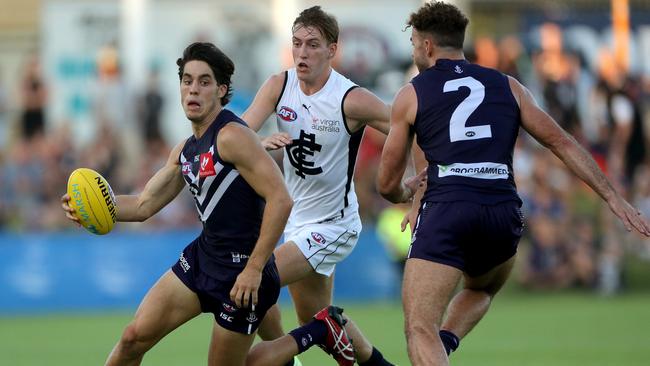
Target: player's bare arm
x,y
394,157
161,189
241,147
264,102
263,106
545,130
361,107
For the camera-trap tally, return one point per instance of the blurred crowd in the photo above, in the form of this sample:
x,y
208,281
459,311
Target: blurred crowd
x,y
571,240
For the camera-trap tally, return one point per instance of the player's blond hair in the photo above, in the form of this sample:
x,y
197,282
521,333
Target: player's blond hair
x,y
319,19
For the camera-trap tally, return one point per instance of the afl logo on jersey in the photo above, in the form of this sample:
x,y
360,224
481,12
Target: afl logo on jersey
x,y
187,168
287,114
470,133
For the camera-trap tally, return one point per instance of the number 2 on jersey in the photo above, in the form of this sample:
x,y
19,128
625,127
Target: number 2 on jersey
x,y
457,129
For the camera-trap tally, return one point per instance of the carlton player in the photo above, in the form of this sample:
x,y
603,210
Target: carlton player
x,y
321,116
466,119
243,204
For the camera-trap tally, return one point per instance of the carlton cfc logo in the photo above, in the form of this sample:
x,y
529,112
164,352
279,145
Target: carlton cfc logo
x,y
287,114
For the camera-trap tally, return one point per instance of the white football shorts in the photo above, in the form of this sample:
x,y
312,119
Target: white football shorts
x,y
326,244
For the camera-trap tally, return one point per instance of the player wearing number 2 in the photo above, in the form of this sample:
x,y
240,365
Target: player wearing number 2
x,y
466,119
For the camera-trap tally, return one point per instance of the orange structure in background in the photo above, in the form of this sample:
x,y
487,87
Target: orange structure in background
x,y
621,29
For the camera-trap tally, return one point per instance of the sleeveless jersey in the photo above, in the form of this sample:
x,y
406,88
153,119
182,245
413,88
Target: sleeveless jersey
x,y
319,164
230,210
467,123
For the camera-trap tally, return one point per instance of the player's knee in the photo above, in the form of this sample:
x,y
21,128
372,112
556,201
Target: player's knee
x,y
259,355
133,341
130,334
414,328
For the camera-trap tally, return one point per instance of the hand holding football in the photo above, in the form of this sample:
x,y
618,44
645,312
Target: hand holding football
x,y
93,201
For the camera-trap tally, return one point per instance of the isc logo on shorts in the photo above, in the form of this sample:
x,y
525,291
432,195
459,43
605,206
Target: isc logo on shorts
x,y
226,317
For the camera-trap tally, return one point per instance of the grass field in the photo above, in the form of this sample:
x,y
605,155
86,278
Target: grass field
x,y
522,330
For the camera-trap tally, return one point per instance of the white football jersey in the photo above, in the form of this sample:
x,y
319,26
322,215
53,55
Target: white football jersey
x,y
319,164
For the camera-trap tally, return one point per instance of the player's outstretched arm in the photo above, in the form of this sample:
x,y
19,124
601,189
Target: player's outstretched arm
x,y
545,130
241,147
264,102
161,189
394,156
158,192
362,107
262,107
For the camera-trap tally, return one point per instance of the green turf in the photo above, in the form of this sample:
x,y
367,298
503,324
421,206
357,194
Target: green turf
x,y
523,330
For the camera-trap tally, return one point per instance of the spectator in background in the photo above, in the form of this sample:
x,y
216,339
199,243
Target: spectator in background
x,y
4,138
582,252
114,109
625,150
150,109
59,158
511,57
622,97
33,93
486,52
24,177
4,120
557,75
547,265
103,153
645,109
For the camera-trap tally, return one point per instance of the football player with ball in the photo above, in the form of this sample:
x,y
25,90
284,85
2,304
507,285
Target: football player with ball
x,y
243,203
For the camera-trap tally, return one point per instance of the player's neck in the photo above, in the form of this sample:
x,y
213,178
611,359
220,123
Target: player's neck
x,y
310,87
199,127
446,53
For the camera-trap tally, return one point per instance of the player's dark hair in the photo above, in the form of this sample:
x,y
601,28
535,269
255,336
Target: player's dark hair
x,y
317,18
444,22
221,65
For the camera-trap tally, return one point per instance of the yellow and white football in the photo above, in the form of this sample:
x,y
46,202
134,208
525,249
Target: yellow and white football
x,y
93,200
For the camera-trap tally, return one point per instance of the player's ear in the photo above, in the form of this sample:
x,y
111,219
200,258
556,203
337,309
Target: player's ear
x,y
332,48
222,90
